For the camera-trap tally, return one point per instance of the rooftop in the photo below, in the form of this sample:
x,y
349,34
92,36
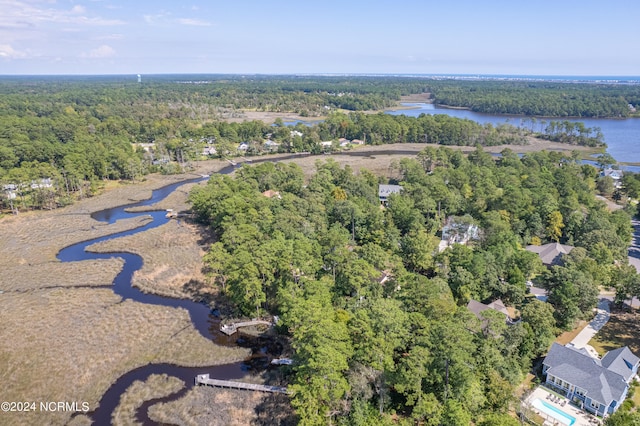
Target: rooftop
x,y
550,254
600,381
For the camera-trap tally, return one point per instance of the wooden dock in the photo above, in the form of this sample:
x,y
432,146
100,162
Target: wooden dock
x,y
203,379
230,329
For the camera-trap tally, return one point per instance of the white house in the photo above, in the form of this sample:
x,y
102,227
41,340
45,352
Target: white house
x,y
614,174
209,150
271,145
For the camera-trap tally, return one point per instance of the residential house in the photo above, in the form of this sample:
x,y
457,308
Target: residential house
x,y
384,191
147,147
357,142
270,193
457,230
41,183
295,133
614,174
598,386
10,190
244,146
344,142
497,305
271,145
326,144
209,150
551,254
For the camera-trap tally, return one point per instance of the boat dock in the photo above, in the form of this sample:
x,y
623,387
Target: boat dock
x,y
203,379
230,329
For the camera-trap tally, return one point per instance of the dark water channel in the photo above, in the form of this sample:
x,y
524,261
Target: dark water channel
x,y
202,317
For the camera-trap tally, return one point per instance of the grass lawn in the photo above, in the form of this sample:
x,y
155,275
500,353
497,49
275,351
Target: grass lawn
x,y
568,336
623,329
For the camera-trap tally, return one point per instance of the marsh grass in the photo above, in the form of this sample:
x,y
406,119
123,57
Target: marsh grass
x,y
172,257
204,405
156,386
65,341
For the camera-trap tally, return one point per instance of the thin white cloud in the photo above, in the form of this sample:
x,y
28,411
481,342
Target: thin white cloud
x,y
158,18
24,14
110,37
103,51
78,9
194,22
8,52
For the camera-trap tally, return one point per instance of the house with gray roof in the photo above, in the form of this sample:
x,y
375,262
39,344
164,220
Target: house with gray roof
x,y
384,191
497,305
599,386
551,254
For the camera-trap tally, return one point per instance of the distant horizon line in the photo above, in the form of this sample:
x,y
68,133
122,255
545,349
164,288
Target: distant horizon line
x,y
465,76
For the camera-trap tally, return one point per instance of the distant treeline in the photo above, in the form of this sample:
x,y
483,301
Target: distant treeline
x,y
79,131
547,99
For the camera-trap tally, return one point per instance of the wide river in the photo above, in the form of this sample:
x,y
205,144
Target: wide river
x,y
622,136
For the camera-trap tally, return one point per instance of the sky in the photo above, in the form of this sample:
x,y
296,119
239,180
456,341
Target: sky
x,y
558,37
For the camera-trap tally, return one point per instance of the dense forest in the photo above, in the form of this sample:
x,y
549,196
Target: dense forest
x,y
61,138
377,316
542,99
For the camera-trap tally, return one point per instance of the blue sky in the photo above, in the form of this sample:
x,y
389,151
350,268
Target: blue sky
x,y
560,37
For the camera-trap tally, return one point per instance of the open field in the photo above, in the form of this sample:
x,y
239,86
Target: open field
x,y
204,406
156,386
380,160
269,117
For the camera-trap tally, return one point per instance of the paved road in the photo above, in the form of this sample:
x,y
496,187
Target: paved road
x,y
634,249
603,312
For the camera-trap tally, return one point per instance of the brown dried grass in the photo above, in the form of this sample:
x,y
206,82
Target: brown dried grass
x,y
156,386
62,341
205,405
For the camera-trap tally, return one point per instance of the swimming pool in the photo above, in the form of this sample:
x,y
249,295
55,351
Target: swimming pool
x,y
554,412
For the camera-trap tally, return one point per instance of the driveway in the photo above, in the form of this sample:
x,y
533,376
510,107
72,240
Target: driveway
x,y
587,333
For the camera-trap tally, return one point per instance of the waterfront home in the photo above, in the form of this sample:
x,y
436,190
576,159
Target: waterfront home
x,y
614,174
551,254
598,386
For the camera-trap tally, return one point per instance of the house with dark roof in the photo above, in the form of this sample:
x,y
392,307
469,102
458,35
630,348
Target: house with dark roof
x,y
599,386
551,254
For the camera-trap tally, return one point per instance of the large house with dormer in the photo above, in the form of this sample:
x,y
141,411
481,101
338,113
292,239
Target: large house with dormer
x,y
598,386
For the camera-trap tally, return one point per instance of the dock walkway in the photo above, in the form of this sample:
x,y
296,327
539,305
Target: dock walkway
x,y
203,379
233,328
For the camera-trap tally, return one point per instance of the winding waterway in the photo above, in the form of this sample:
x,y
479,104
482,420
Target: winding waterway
x,y
201,315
